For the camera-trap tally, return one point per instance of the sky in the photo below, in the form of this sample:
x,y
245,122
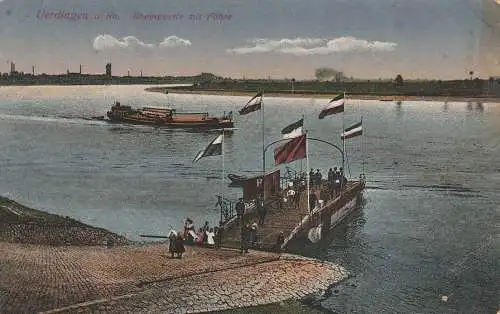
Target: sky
x,y
428,39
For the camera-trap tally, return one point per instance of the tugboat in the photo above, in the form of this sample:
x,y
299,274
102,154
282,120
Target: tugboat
x,y
167,117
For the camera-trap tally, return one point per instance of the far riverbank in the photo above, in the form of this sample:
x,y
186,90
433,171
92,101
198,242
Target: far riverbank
x,y
288,94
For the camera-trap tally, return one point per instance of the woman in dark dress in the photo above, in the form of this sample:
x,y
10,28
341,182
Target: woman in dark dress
x,y
172,238
179,246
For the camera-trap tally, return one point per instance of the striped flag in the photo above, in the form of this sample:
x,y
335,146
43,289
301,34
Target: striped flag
x,y
293,130
290,151
352,131
252,105
213,149
336,105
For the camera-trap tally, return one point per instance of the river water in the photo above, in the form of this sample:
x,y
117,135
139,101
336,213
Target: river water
x,y
429,223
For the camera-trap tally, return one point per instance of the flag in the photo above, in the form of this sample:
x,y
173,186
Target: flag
x,y
293,130
352,131
293,126
291,150
213,149
336,105
252,105
295,133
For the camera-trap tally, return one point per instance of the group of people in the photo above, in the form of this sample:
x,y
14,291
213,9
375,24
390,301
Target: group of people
x,y
315,178
336,180
176,244
260,206
204,237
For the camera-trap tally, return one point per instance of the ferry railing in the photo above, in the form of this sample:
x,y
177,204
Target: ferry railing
x,y
227,209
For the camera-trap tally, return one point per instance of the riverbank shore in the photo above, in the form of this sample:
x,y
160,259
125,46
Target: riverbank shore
x,y
79,276
289,94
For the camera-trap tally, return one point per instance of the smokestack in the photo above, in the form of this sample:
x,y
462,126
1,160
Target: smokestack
x,y
80,69
33,70
141,73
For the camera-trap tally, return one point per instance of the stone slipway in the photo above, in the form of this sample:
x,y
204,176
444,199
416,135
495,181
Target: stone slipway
x,y
133,278
144,279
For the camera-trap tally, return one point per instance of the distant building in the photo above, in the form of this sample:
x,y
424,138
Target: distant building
x,y
108,69
12,68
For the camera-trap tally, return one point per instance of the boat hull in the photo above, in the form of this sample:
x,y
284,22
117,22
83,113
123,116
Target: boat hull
x,y
315,226
167,117
176,124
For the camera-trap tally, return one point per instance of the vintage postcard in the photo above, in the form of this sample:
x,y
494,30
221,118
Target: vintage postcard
x,y
230,156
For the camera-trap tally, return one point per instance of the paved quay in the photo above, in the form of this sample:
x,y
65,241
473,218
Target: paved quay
x,y
130,279
53,264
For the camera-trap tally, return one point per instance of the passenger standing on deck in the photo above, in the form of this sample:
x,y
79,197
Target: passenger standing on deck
x,y
330,176
312,200
261,210
343,179
240,211
311,177
318,177
290,194
336,181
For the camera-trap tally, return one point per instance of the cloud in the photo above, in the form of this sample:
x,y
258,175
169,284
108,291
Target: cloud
x,y
312,46
108,42
105,42
174,41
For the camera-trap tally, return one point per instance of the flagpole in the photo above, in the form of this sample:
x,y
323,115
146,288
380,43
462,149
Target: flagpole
x,y
307,175
263,146
223,174
363,146
343,150
343,141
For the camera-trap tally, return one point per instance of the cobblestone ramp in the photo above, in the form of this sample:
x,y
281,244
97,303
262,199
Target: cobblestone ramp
x,y
226,289
40,278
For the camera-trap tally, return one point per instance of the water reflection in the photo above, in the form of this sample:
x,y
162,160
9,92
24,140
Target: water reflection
x,y
445,106
480,107
477,109
399,107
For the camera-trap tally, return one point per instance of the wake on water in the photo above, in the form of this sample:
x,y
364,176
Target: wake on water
x,y
55,118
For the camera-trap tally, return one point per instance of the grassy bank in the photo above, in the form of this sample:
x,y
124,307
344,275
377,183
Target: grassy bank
x,y
21,224
321,95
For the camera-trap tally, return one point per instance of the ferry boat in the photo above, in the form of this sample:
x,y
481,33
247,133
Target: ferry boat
x,y
167,117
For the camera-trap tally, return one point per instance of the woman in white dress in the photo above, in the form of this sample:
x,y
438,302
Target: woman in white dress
x,y
210,237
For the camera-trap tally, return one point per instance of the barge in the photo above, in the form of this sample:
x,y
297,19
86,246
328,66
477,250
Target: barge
x,y
167,117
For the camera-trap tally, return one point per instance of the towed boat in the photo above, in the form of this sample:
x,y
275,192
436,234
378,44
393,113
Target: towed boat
x,y
167,117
